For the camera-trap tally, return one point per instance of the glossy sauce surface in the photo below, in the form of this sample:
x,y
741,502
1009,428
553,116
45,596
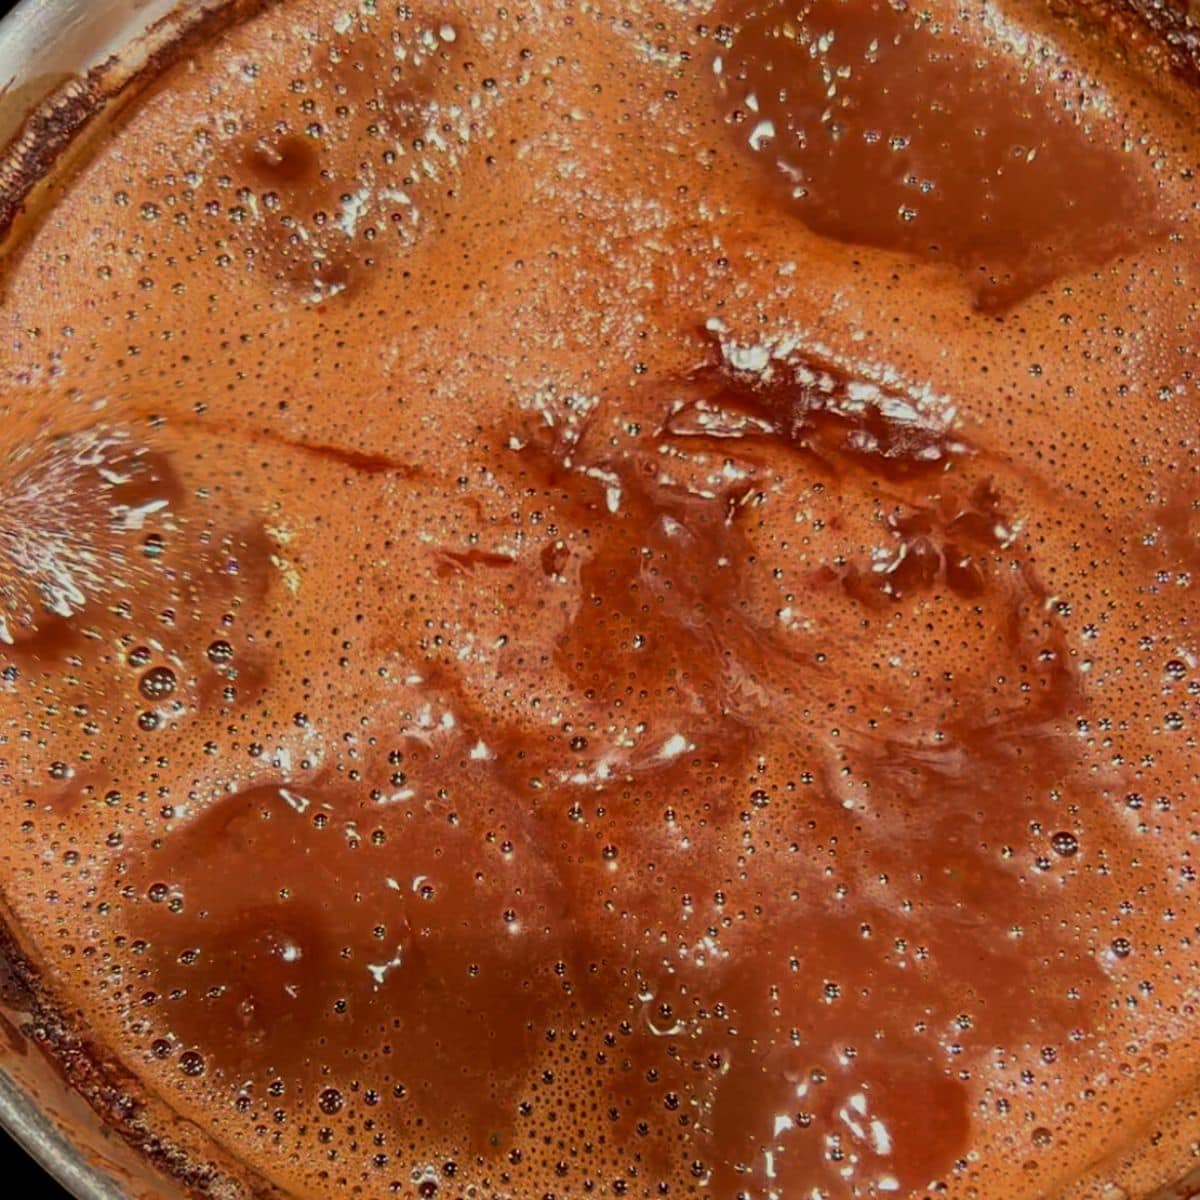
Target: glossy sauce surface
x,y
603,603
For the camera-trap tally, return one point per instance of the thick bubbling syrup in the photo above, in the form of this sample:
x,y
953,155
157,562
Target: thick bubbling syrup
x,y
603,603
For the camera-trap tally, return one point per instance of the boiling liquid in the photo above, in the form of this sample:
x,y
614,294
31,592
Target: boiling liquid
x,y
603,603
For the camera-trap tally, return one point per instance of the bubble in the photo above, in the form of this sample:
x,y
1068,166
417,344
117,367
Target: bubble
x,y
1065,845
220,653
191,1063
158,683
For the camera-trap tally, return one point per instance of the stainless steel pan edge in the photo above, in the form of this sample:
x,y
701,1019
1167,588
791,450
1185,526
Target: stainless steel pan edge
x,y
47,45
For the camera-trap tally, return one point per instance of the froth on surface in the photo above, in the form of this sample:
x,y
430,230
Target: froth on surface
x,y
602,603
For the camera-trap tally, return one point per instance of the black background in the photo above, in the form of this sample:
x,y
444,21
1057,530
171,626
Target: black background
x,y
15,1165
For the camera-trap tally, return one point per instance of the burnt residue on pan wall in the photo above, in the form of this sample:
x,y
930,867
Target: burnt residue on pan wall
x,y
57,116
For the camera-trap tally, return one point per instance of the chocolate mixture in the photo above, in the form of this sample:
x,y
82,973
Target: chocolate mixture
x,y
602,601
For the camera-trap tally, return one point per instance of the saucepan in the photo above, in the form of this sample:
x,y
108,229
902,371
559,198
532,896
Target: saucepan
x,y
63,65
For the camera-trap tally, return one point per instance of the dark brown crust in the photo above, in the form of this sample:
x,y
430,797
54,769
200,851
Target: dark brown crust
x,y
1172,27
1161,35
88,1069
46,133
51,128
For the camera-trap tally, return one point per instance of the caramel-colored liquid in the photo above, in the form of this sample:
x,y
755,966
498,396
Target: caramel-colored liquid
x,y
604,602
